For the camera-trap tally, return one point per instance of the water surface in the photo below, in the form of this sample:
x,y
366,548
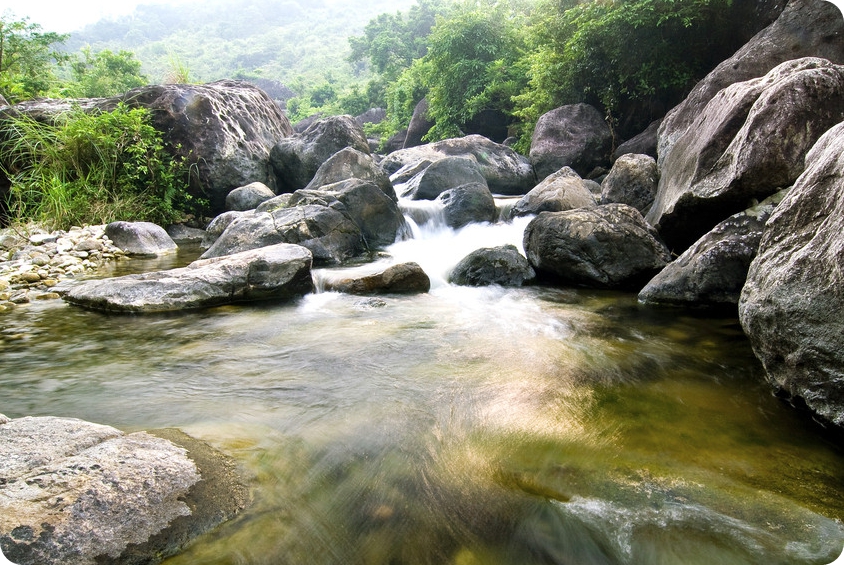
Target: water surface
x,y
464,426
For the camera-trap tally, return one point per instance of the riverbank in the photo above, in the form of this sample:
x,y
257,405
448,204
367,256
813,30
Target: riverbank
x,y
33,261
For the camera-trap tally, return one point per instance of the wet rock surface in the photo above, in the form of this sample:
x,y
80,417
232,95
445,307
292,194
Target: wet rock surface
x,y
78,493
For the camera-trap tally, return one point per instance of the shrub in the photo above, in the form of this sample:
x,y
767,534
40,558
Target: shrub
x,y
92,168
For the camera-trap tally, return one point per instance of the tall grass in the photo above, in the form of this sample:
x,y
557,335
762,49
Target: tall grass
x,y
91,168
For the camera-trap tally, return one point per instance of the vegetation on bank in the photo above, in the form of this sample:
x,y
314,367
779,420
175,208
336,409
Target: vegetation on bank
x,y
91,168
511,59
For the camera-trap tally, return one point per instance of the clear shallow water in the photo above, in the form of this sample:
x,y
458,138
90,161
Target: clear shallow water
x,y
465,426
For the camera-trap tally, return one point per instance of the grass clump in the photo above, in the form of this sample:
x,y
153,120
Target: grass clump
x,y
91,168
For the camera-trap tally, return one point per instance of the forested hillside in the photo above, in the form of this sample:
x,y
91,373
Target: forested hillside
x,y
301,44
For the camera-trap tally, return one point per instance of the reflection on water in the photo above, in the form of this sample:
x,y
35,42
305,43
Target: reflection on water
x,y
464,426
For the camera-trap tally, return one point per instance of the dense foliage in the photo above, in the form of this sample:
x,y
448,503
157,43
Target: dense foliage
x,y
91,168
28,58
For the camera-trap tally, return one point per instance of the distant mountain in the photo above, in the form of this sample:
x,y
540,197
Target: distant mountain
x,y
284,42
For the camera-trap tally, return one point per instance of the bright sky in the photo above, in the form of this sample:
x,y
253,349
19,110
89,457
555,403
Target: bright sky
x,y
64,16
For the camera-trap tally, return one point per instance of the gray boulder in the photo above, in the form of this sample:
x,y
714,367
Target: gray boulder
x,y
77,493
329,234
248,197
218,225
224,129
573,136
140,238
350,163
441,175
608,246
296,159
405,278
749,142
633,180
419,125
466,204
506,172
643,144
713,271
806,28
503,266
375,213
277,272
185,235
562,190
792,306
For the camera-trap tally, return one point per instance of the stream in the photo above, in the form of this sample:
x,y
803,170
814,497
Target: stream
x,y
464,426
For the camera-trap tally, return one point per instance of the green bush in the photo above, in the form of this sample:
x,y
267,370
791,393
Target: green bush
x,y
92,168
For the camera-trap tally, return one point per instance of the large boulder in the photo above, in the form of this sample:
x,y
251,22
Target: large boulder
x,y
607,246
277,272
224,129
375,213
419,125
404,278
792,306
467,204
78,493
749,142
633,180
248,197
350,163
329,234
562,190
573,136
806,28
502,265
641,144
713,271
141,238
296,159
506,172
218,225
442,175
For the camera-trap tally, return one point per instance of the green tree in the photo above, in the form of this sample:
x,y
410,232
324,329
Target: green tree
x,y
28,58
474,63
105,73
623,56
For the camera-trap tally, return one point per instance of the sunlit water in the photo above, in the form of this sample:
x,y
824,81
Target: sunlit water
x,y
464,426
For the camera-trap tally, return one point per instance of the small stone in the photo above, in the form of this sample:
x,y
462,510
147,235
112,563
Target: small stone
x,y
48,296
49,283
42,238
88,245
30,277
20,298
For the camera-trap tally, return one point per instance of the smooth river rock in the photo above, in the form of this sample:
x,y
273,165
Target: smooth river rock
x,y
792,306
277,272
502,265
559,191
78,493
608,246
140,238
404,278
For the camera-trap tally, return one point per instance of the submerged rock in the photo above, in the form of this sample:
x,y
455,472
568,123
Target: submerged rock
x,y
78,493
405,278
608,246
792,306
502,265
140,238
277,272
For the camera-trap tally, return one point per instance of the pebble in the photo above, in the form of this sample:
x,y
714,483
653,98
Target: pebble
x,y
34,261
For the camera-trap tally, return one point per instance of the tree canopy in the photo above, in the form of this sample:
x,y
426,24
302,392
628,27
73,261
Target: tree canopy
x,y
28,58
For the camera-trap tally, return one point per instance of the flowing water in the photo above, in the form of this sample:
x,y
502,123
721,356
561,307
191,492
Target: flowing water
x,y
463,426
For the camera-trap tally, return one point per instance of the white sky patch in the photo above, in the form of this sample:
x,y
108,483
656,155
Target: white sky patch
x,y
65,16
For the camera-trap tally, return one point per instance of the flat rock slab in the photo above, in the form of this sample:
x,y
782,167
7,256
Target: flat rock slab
x,y
77,493
276,272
